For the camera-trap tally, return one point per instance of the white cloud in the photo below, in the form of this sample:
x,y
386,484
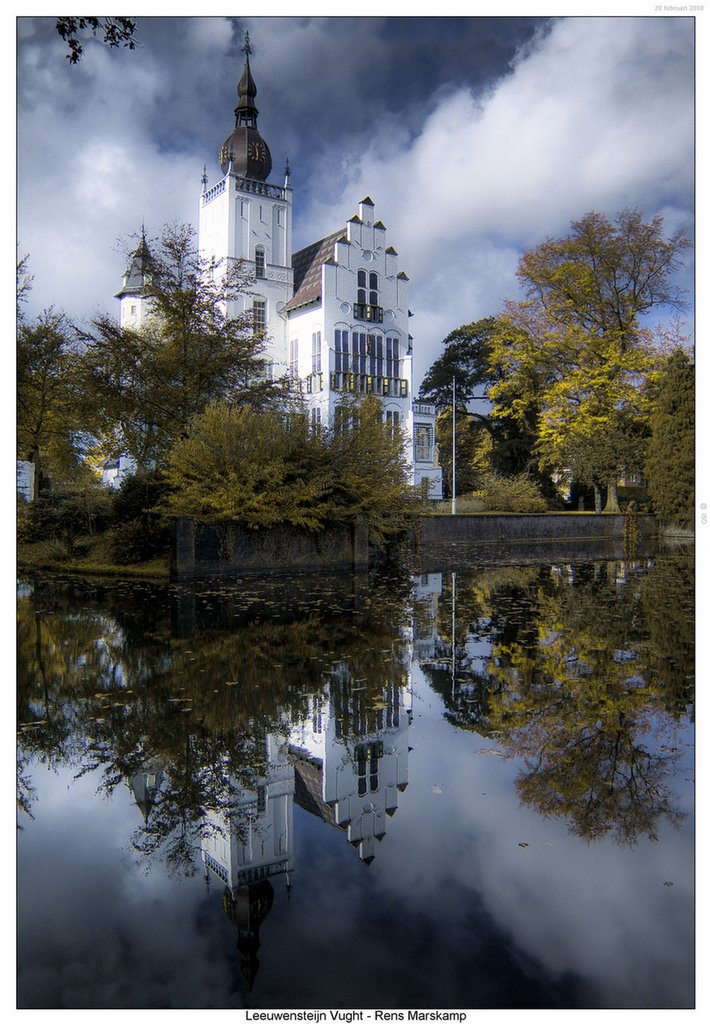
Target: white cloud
x,y
597,115
210,35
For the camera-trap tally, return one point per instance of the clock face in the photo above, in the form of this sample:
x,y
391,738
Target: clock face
x,y
255,151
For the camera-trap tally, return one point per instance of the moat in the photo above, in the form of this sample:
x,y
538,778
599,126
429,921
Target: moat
x,y
468,789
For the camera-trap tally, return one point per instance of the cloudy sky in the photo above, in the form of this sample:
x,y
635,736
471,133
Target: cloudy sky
x,y
475,137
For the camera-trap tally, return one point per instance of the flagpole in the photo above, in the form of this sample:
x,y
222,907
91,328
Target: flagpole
x,y
453,488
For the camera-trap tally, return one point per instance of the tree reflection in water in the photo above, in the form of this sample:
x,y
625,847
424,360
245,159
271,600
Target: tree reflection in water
x,y
585,683
175,692
579,672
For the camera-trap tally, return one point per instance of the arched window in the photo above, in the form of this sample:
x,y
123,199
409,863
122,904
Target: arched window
x,y
367,305
315,352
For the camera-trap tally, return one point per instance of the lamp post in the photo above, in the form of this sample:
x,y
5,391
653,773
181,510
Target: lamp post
x,y
453,459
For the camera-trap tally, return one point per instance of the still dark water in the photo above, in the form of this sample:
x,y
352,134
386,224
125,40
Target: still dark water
x,y
469,790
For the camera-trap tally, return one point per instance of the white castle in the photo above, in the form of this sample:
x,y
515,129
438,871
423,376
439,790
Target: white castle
x,y
335,314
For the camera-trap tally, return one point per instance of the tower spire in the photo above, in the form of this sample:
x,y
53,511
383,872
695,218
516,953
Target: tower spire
x,y
245,152
246,111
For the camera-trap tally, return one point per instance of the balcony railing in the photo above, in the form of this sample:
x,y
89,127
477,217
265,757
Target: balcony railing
x,y
423,409
367,384
364,311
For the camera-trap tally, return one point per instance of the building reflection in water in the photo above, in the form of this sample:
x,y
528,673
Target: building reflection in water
x,y
345,761
251,844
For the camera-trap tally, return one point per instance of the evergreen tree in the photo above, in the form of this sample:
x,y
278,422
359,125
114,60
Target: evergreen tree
x,y
484,443
466,357
670,467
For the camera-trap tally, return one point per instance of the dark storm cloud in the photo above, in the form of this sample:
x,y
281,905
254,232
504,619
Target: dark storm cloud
x,y
476,138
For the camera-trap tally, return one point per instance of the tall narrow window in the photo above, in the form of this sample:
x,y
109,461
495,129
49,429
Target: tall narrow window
x,y
316,352
362,286
259,312
374,289
374,346
392,420
393,357
340,421
293,358
260,261
342,364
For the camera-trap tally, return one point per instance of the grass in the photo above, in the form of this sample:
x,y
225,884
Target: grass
x,y
88,555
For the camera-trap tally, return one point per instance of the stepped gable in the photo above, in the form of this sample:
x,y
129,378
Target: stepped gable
x,y
306,265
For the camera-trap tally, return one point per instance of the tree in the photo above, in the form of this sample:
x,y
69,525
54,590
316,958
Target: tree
x,y
147,383
473,450
484,443
48,420
369,469
595,424
24,285
249,467
265,468
116,32
670,466
466,357
581,708
575,352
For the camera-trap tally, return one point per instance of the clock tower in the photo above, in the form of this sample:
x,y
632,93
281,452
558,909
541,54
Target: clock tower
x,y
246,217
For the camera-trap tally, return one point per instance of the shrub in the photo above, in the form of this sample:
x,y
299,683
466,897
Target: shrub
x,y
140,532
470,503
64,516
510,494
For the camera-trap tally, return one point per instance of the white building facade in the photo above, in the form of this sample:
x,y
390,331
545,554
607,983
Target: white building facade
x,y
335,313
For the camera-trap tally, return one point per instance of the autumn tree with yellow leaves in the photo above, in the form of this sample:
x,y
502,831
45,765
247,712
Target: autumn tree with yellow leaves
x,y
573,354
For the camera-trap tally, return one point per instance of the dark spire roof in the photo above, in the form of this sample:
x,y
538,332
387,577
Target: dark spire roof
x,y
246,110
245,151
137,274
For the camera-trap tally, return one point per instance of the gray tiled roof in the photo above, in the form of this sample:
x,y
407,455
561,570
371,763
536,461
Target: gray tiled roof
x,y
306,269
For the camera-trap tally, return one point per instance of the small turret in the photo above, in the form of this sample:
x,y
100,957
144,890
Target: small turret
x,y
134,290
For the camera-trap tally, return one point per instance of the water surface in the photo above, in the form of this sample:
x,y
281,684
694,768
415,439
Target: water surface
x,y
470,789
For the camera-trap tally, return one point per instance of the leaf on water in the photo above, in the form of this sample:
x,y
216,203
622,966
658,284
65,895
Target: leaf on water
x,y
490,750
437,790
523,844
668,883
